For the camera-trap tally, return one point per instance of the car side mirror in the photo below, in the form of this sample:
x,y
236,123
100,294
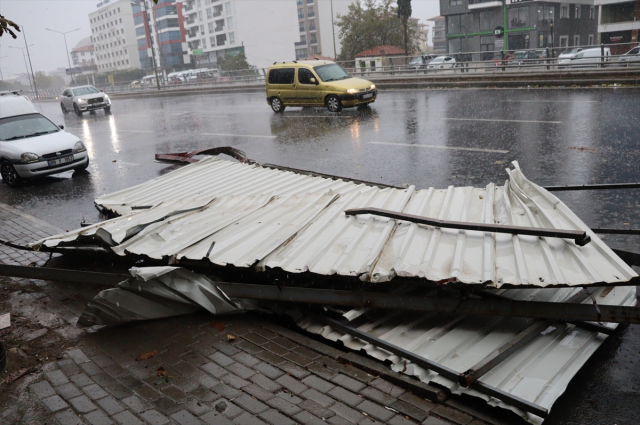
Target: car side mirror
x,y
313,81
61,127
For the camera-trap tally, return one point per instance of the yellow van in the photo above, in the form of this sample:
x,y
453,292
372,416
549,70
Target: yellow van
x,y
316,83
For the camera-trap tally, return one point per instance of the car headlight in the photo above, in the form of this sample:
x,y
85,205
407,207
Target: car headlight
x,y
373,86
79,147
82,100
29,157
352,91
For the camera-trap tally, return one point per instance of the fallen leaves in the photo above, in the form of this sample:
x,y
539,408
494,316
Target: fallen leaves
x,y
581,149
146,356
230,337
217,325
161,372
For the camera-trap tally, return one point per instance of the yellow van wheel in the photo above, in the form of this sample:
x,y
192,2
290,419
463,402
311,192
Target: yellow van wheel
x,y
333,103
277,105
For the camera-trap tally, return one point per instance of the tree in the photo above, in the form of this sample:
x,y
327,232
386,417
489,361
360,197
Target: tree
x,y
5,26
234,62
42,80
371,23
404,13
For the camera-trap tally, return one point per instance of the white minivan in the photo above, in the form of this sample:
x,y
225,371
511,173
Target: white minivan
x,y
587,57
31,145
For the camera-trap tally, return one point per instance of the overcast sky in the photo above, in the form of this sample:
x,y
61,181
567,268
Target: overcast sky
x,y
48,52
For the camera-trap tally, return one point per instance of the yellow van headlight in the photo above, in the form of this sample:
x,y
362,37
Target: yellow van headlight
x,y
352,91
373,86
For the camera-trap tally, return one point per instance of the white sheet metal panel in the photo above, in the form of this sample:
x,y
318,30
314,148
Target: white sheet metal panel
x,y
275,219
213,177
538,372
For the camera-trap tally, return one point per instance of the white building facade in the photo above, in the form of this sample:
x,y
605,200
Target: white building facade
x,y
113,35
316,25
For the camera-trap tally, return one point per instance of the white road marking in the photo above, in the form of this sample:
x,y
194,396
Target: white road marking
x,y
491,120
455,148
238,135
131,164
136,131
553,101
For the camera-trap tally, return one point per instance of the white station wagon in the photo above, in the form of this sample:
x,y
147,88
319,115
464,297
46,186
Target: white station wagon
x,y
31,145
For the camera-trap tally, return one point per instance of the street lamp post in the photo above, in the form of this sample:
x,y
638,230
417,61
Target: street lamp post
x,y
1,77
35,86
333,30
64,35
153,51
25,63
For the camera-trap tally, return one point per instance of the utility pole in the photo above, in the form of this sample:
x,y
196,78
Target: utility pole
x,y
35,86
153,51
1,77
333,30
64,34
25,63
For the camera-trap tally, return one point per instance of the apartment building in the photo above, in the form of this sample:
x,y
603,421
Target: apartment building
x,y
619,24
439,34
317,35
83,55
164,31
113,36
215,28
494,25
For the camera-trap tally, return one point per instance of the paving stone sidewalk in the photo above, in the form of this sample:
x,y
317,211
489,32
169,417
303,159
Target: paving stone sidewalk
x,y
201,369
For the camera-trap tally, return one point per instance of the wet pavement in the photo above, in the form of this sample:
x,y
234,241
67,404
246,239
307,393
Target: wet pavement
x,y
423,137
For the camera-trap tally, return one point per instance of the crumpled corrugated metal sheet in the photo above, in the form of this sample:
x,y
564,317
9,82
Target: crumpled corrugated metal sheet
x,y
275,219
155,293
538,372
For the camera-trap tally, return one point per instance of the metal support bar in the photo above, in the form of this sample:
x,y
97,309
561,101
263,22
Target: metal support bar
x,y
470,376
594,187
487,307
436,367
63,275
631,258
580,237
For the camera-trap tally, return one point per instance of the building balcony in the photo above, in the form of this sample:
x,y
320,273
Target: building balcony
x,y
481,4
191,35
619,26
300,43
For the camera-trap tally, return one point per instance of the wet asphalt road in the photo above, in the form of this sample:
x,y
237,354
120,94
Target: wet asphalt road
x,y
427,138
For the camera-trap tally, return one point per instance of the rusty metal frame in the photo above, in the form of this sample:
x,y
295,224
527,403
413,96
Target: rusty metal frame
x,y
605,186
436,367
188,157
580,237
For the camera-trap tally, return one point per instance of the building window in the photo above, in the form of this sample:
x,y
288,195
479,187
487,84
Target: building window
x,y
303,39
564,12
519,17
313,49
209,13
211,27
221,39
202,29
227,7
232,38
217,11
301,53
591,37
592,12
204,43
310,12
300,13
212,41
454,24
576,40
455,2
312,26
299,2
200,16
219,25
313,39
230,23
564,41
302,26
578,10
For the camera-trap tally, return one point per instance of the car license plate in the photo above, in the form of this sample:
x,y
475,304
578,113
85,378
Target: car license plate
x,y
367,96
61,161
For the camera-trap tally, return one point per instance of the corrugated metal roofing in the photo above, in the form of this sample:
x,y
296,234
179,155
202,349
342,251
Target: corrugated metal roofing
x,y
277,219
539,372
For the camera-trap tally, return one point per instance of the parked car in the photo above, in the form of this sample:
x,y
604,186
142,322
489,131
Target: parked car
x,y
316,83
174,81
420,62
135,84
31,145
570,52
587,57
441,62
524,57
84,98
632,57
499,61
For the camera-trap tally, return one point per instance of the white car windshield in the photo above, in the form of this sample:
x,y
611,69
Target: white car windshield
x,y
80,91
520,55
438,59
416,60
332,72
571,51
25,126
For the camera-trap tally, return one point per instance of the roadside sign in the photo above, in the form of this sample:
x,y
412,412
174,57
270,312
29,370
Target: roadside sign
x,y
71,71
111,80
198,52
